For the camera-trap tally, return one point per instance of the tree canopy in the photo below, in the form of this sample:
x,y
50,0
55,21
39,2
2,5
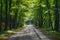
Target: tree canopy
x,y
42,13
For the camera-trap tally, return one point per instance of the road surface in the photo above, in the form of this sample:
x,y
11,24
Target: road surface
x,y
29,33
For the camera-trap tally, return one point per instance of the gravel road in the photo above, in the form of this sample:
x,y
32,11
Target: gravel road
x,y
29,33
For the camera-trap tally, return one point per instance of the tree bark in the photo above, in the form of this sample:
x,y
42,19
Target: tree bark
x,y
56,16
6,20
0,16
10,20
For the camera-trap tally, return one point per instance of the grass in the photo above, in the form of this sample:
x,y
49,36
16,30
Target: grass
x,y
53,35
8,33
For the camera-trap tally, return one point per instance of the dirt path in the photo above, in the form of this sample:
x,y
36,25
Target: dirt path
x,y
29,33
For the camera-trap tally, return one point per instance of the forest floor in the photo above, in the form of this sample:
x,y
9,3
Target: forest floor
x,y
8,33
53,35
28,33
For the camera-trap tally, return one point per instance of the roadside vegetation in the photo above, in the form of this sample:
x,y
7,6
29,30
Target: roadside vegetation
x,y
44,14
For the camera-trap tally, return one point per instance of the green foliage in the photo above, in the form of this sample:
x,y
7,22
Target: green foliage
x,y
42,13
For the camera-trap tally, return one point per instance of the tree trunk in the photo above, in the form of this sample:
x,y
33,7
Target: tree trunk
x,y
56,16
0,15
6,20
10,22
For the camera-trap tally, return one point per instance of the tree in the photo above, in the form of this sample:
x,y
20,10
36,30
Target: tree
x,y
56,16
6,20
10,20
0,15
49,14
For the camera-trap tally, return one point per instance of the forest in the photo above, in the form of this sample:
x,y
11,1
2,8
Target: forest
x,y
44,14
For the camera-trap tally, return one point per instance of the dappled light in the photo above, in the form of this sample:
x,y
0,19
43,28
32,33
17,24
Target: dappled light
x,y
39,17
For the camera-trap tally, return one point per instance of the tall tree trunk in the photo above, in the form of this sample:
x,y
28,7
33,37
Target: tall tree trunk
x,y
6,20
56,16
0,15
10,22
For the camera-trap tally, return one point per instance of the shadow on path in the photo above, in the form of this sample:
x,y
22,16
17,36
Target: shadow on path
x,y
25,37
29,33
